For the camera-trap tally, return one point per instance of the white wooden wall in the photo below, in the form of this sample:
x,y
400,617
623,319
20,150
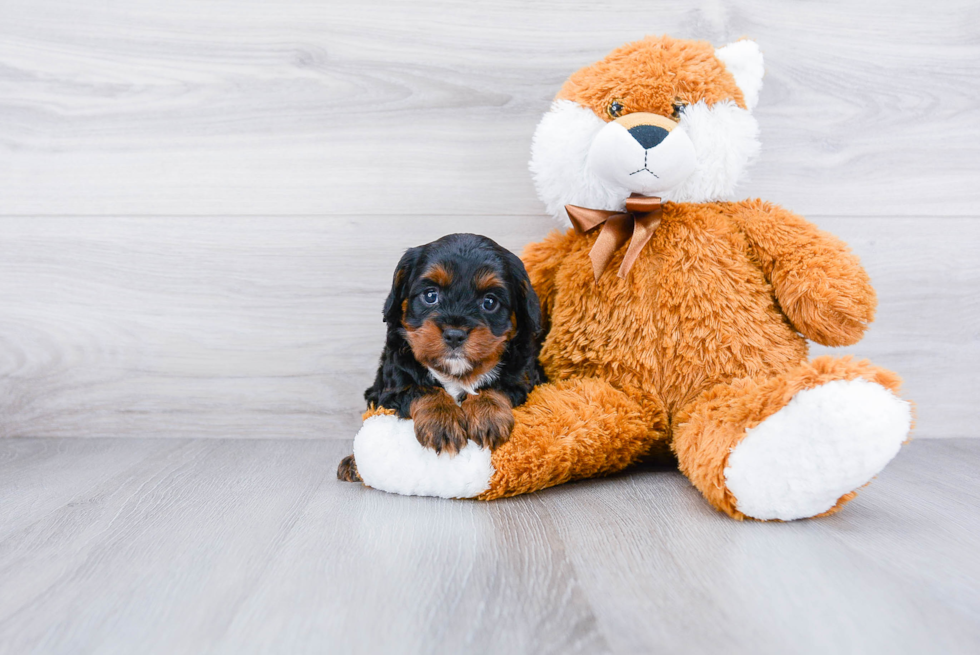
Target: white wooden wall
x,y
201,202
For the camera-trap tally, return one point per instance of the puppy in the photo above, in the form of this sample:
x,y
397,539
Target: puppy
x,y
462,344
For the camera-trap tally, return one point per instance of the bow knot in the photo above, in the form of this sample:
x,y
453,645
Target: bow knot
x,y
636,225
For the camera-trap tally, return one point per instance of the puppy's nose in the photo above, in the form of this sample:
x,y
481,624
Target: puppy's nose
x,y
454,337
649,136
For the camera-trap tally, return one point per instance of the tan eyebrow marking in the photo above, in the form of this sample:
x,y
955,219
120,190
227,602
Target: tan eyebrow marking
x,y
486,280
439,274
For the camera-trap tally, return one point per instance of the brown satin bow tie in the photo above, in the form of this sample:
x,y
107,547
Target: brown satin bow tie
x,y
639,221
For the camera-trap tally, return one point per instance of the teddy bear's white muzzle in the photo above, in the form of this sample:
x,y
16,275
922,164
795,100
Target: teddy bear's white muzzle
x,y
643,159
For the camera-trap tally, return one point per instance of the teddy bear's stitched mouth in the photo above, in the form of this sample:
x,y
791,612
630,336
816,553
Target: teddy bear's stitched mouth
x,y
645,153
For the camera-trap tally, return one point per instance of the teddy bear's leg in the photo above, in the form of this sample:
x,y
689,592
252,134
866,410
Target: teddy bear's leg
x,y
794,445
568,430
572,430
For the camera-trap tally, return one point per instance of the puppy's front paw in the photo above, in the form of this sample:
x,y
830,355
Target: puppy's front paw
x,y
439,423
347,471
489,418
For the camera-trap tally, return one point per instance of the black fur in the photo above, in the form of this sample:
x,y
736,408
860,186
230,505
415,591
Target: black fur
x,y
400,378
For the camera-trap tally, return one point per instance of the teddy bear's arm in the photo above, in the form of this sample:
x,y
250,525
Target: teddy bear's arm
x,y
819,283
542,260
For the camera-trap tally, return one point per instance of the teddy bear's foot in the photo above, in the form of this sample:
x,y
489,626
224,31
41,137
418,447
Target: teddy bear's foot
x,y
390,458
800,444
825,443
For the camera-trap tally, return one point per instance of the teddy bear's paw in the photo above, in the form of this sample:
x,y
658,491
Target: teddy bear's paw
x,y
390,458
825,443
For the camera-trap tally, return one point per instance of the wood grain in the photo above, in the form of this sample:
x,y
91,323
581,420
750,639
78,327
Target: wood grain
x,y
691,580
232,545
270,327
306,107
251,546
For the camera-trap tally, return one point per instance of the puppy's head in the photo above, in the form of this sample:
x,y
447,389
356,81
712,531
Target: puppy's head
x,y
465,306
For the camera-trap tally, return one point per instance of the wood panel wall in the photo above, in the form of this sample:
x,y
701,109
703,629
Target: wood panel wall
x,y
201,203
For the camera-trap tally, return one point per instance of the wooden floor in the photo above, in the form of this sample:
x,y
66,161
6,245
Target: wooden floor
x,y
240,546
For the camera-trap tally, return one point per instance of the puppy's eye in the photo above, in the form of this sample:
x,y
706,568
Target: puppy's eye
x,y
430,296
490,303
679,106
615,109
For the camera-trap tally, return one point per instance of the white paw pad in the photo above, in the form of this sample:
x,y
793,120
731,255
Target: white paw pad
x,y
390,458
826,442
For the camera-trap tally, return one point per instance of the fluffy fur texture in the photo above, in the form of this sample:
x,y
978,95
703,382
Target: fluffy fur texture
x,y
389,458
653,75
725,138
488,417
702,349
710,299
708,329
571,430
563,432
824,443
463,321
559,157
440,288
743,60
439,422
708,430
497,347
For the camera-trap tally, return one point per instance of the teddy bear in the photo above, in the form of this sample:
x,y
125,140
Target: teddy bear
x,y
676,319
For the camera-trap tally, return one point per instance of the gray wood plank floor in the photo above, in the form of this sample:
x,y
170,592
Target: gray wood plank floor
x,y
241,546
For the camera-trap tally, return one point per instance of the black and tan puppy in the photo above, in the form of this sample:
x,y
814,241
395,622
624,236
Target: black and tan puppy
x,y
462,344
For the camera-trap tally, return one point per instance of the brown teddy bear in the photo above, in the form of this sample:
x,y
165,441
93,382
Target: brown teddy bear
x,y
676,320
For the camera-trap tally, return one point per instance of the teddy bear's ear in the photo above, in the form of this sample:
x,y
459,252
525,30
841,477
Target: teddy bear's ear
x,y
744,61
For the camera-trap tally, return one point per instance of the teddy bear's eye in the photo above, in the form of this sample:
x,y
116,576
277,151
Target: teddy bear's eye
x,y
615,109
679,106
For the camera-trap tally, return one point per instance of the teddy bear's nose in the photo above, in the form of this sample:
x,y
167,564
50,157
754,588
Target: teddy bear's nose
x,y
648,136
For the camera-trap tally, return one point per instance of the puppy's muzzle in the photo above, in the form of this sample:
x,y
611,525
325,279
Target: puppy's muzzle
x,y
454,337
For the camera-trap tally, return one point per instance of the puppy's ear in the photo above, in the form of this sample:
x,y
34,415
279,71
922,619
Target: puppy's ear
x,y
400,284
527,310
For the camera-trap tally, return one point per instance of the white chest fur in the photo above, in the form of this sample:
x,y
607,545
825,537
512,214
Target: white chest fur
x,y
456,389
